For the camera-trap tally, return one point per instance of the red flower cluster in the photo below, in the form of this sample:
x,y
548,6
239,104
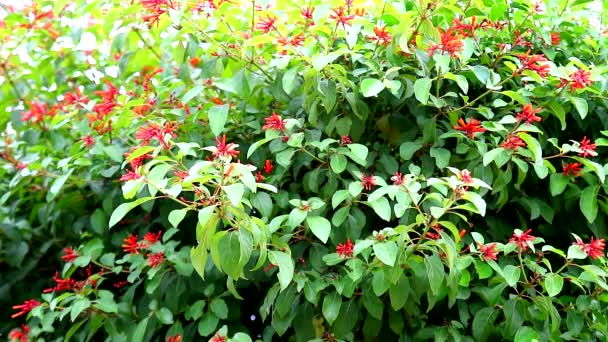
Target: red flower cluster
x,y
523,240
103,108
588,148
528,114
513,142
345,140
132,245
26,307
307,12
534,63
345,249
267,24
155,259
20,334
67,284
470,128
155,131
341,16
572,169
594,249
580,79
555,38
488,251
465,176
176,338
152,238
87,140
223,149
75,98
450,43
468,30
218,338
368,182
274,122
69,254
268,166
398,178
437,234
38,111
156,9
381,37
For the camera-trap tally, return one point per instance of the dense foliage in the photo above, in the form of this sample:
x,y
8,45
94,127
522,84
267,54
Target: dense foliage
x,y
330,170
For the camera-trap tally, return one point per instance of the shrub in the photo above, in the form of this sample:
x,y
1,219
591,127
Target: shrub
x,y
332,171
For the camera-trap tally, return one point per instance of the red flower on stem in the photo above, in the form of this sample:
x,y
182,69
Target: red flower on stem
x,y
528,114
555,39
267,24
307,12
345,249
130,175
470,128
155,259
20,334
26,307
345,140
69,254
368,182
87,140
594,249
534,63
513,142
465,176
580,79
218,338
572,169
152,238
224,150
398,178
437,234
176,338
341,17
523,240
268,166
587,147
381,36
259,177
274,122
131,245
67,284
450,43
489,251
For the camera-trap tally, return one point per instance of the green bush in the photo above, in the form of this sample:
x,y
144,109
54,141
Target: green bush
x,y
399,170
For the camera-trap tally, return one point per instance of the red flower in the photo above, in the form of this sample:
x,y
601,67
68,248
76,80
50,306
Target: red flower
x,y
345,249
176,338
259,177
450,43
130,175
267,24
131,245
69,254
572,169
437,234
555,39
513,142
274,122
381,36
534,63
307,12
194,61
152,238
181,174
341,17
157,8
594,249
155,131
87,140
468,30
528,114
398,178
37,112
26,307
21,335
588,148
345,140
523,240
368,182
224,150
67,284
488,251
218,338
268,166
580,79
470,128
465,176
77,98
156,259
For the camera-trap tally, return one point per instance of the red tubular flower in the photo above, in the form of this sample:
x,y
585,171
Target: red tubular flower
x,y
488,251
20,334
580,79
572,169
156,9
534,63
345,140
594,249
523,240
341,17
267,24
222,149
555,39
67,284
528,114
87,140
69,254
194,61
588,148
76,97
450,43
152,238
131,245
307,12
130,175
368,182
345,249
465,176
470,128
26,307
155,259
268,166
155,131
259,177
398,178
176,338
381,36
437,234
37,112
218,338
274,122
513,142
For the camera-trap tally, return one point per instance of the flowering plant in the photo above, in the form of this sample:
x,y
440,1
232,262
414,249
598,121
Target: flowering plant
x,y
331,171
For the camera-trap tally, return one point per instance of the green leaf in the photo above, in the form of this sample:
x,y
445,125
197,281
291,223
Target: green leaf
x,y
218,115
192,93
514,312
359,150
576,252
219,308
399,292
442,157
331,307
511,274
407,149
379,282
482,73
284,158
289,80
208,324
165,316
526,334
483,324
515,96
72,331
588,202
435,272
382,208
319,226
534,146
477,201
229,247
558,183
263,203
176,216
140,331
338,163
234,192
240,337
581,106
124,208
386,252
371,87
553,284
422,89
57,185
286,267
